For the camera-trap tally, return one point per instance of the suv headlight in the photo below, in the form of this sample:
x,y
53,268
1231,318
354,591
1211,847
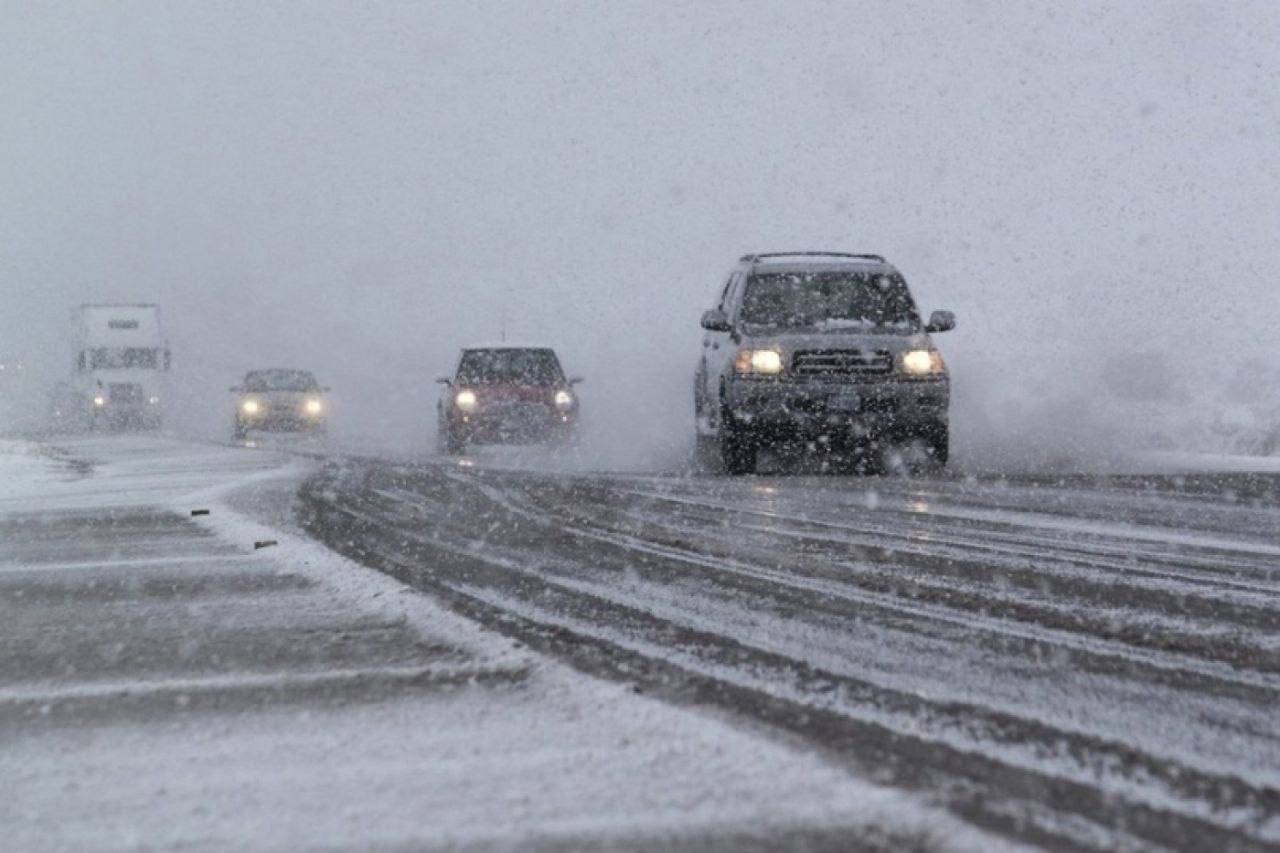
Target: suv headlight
x,y
465,400
758,362
314,406
251,407
563,400
922,362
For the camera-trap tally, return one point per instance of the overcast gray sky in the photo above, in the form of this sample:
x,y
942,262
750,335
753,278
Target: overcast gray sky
x,y
363,187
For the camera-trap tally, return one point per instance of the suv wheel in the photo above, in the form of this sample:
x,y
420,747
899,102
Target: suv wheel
x,y
450,444
939,444
706,454
924,452
737,450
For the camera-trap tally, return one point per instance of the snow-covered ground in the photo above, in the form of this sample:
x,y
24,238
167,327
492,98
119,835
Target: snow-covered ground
x,y
1175,461
166,684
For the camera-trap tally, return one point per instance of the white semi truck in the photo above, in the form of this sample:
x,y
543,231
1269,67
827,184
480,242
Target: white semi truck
x,y
121,361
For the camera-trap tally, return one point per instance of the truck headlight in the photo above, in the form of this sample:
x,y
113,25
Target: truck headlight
x,y
563,400
761,362
250,407
465,400
922,362
314,406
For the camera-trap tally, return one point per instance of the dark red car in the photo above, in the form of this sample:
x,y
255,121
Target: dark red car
x,y
507,394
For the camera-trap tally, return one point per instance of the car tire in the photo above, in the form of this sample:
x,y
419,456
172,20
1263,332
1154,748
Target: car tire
x,y
939,444
706,454
450,444
238,432
922,452
738,450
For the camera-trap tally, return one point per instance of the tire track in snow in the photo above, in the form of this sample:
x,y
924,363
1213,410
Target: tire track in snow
x,y
520,581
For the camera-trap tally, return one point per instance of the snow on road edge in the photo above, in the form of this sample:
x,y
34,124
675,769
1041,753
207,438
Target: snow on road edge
x,y
879,809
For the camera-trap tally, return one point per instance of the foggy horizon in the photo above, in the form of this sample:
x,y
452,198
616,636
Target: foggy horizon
x,y
361,192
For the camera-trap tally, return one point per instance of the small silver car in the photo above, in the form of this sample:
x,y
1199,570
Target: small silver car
x,y
822,347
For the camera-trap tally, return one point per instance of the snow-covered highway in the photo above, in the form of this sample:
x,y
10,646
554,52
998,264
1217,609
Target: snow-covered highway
x,y
165,684
1087,662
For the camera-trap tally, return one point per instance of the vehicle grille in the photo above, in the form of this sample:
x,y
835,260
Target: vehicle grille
x,y
125,393
518,411
841,362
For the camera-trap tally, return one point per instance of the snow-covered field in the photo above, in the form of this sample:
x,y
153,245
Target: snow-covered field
x,y
166,685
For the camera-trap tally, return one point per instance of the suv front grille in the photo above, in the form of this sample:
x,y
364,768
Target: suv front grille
x,y
841,362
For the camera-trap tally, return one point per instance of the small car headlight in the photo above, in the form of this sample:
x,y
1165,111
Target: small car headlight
x,y
563,399
922,362
762,362
465,400
314,406
99,401
250,407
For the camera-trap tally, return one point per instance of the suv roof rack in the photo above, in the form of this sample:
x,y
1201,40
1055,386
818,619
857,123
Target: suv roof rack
x,y
759,256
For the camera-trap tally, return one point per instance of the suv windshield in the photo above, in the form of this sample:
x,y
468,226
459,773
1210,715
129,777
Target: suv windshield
x,y
829,300
519,366
280,380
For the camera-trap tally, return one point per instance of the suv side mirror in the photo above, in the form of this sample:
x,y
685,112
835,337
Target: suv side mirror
x,y
444,380
325,389
715,320
235,389
574,380
941,321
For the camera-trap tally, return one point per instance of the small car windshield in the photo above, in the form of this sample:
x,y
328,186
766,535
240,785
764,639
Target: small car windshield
x,y
829,301
516,366
281,380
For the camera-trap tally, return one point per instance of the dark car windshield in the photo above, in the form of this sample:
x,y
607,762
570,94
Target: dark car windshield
x,y
517,366
829,301
281,380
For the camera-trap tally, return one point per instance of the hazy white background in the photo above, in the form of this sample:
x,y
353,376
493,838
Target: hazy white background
x,y
361,188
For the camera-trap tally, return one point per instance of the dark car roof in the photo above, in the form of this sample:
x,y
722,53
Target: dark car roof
x,y
266,372
283,379
796,266
502,346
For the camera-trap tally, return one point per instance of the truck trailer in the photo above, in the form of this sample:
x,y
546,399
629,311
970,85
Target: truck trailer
x,y
121,361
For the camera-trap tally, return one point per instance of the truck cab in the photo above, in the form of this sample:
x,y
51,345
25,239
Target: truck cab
x,y
120,364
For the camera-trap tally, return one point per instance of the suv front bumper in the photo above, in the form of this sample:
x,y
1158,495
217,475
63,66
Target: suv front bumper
x,y
514,425
129,415
282,420
871,409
